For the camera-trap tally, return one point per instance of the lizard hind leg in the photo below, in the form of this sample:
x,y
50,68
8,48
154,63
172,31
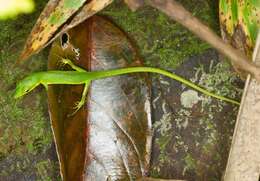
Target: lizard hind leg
x,y
82,101
66,61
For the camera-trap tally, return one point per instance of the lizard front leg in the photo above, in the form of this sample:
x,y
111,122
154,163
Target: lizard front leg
x,y
73,66
85,91
83,98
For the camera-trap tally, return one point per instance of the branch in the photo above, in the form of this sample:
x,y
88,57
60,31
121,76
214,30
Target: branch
x,y
178,13
244,159
134,4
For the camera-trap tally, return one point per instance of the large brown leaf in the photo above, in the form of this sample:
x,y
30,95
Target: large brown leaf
x,y
110,137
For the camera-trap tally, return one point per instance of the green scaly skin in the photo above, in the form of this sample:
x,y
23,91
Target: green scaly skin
x,y
81,76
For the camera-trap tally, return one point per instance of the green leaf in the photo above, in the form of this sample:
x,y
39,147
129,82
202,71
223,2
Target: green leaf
x,y
11,8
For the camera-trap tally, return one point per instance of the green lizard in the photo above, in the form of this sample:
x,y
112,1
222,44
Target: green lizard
x,y
81,76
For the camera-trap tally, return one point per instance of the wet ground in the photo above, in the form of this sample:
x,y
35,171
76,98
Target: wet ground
x,y
192,131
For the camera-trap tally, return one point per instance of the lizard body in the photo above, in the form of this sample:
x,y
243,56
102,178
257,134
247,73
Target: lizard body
x,y
81,76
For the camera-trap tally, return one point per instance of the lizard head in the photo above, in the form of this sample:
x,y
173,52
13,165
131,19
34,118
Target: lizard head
x,y
26,85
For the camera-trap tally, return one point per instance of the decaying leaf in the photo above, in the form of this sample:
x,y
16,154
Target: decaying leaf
x,y
55,14
239,21
57,17
110,137
86,11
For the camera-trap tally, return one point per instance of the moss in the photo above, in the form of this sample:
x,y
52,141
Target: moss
x,y
190,163
44,168
161,41
24,125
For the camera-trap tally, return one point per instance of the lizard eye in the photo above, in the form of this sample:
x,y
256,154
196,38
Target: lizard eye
x,y
64,40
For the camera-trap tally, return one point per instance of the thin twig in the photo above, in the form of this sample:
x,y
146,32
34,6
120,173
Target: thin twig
x,y
178,13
